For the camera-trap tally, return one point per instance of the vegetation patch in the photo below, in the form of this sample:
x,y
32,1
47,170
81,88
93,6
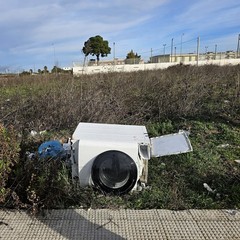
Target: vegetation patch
x,y
203,100
9,156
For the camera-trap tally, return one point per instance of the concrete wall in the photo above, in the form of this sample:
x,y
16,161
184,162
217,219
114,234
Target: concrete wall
x,y
79,70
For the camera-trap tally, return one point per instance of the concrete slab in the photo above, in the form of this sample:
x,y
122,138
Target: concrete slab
x,y
121,224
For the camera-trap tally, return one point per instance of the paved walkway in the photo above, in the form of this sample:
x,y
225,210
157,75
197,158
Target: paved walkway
x,y
121,224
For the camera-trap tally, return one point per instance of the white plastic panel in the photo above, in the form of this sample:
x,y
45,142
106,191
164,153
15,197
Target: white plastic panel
x,y
111,132
170,144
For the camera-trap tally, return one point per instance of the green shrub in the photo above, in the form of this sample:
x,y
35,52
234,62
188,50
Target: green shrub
x,y
48,184
9,156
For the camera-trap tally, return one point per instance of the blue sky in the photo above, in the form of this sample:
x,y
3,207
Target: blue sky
x,y
35,33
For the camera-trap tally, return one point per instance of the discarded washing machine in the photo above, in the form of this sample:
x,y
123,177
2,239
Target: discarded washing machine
x,y
114,158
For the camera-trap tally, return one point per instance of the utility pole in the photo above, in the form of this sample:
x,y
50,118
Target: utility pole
x,y
238,46
198,46
206,49
171,49
181,47
151,55
164,45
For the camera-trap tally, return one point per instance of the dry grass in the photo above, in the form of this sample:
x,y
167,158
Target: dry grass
x,y
206,99
60,102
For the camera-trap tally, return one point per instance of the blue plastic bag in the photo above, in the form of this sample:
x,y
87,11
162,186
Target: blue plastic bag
x,y
51,149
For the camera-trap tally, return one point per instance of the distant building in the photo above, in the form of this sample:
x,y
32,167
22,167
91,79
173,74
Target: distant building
x,y
67,68
190,57
93,62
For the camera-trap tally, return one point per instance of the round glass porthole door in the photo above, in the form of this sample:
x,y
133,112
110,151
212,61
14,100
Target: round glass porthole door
x,y
114,171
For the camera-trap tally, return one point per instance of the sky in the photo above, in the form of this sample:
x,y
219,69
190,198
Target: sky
x,y
38,33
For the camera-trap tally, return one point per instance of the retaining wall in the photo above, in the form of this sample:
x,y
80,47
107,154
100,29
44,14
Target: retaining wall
x,y
79,70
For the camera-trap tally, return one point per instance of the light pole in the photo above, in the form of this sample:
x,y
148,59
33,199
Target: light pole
x,y
198,47
215,51
151,55
171,49
54,59
114,53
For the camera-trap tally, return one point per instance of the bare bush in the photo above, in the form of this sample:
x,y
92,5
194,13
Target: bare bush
x,y
60,102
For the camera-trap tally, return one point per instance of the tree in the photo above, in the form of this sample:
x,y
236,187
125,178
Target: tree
x,y
24,73
96,46
45,70
56,70
132,58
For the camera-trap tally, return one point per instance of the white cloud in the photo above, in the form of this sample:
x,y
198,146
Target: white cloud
x,y
55,22
29,28
204,15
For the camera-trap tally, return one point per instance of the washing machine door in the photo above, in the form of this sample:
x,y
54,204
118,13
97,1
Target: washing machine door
x,y
114,172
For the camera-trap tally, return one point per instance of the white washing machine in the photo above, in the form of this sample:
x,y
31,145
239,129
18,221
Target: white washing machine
x,y
114,158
